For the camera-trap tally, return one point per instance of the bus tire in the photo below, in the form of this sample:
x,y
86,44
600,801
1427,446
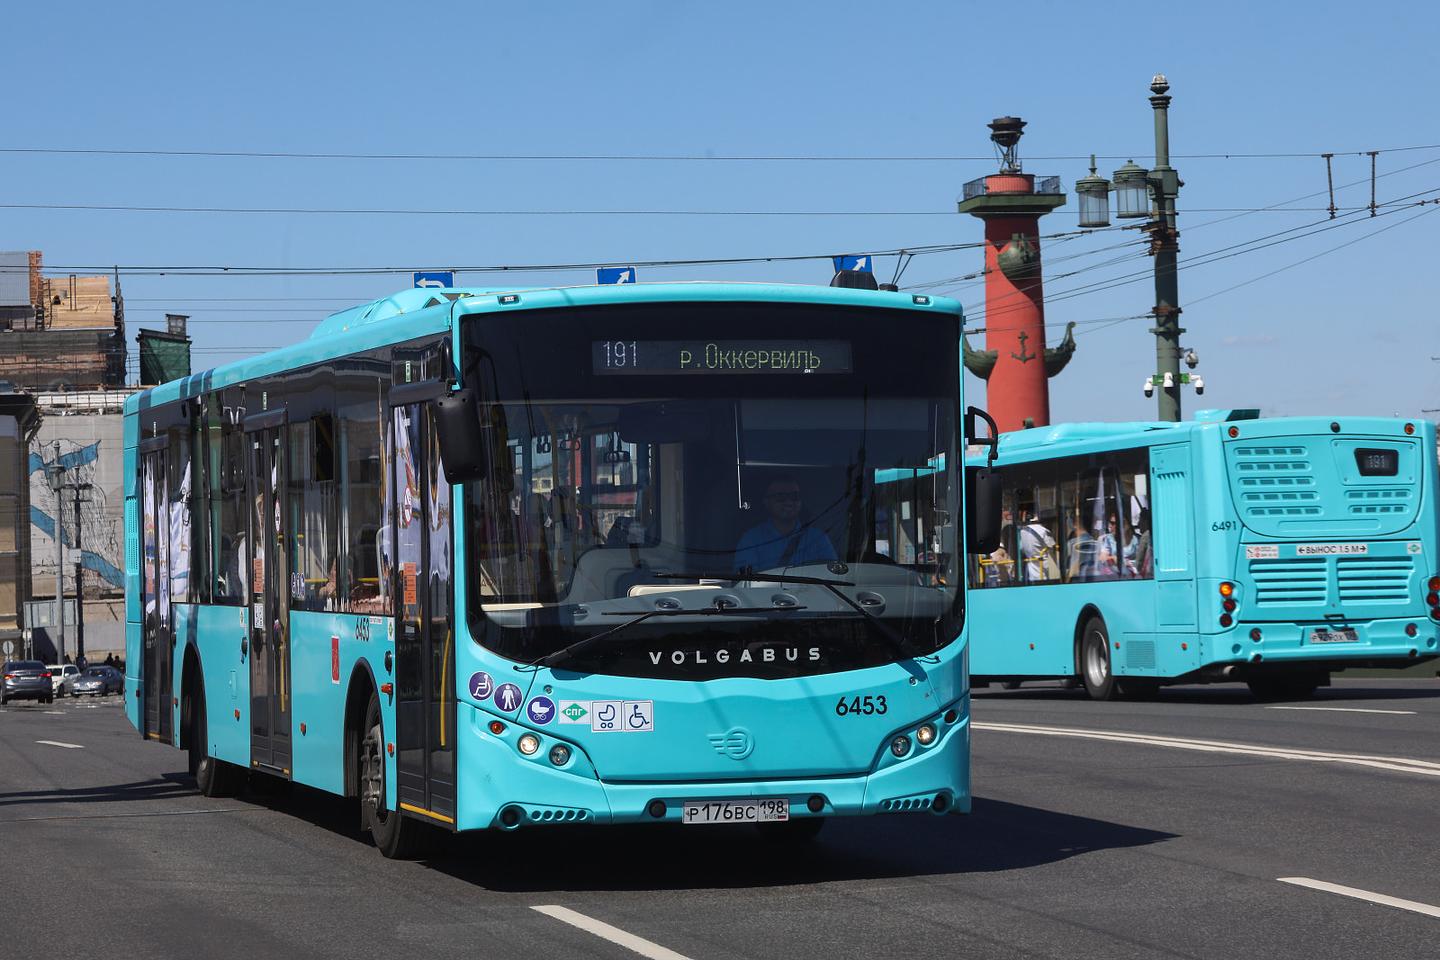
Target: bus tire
x,y
1140,689
396,837
214,778
795,832
1095,670
1296,687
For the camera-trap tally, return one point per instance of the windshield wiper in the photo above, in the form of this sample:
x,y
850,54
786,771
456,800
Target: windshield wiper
x,y
893,640
580,646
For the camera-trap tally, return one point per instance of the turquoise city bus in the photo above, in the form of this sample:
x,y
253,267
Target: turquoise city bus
x,y
1231,548
603,554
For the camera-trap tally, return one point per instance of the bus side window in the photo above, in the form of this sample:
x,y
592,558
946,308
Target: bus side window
x,y
1000,567
362,571
1134,469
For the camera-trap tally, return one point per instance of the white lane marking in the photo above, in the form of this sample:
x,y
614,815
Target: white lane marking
x,y
1407,713
1366,895
57,743
54,713
606,932
1399,764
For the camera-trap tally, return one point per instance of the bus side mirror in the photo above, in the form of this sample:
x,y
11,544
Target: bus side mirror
x,y
467,446
972,435
982,500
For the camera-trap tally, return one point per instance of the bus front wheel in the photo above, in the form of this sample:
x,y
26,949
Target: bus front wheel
x,y
1095,670
395,836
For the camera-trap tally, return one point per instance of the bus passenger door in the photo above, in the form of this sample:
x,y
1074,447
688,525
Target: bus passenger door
x,y
155,593
265,554
1173,537
424,628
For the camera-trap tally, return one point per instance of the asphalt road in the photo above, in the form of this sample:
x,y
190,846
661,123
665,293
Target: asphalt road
x,y
1100,830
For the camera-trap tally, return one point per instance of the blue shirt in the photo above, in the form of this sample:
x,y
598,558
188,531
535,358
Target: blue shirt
x,y
762,546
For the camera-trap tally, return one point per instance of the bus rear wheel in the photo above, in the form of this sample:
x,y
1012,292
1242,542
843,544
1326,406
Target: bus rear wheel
x,y
796,831
395,836
1293,687
1095,670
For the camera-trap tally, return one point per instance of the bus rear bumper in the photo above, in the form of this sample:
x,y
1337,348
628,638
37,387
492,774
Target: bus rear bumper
x,y
496,791
1348,643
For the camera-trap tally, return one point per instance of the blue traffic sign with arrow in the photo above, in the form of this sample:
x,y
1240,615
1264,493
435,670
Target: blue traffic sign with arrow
x,y
615,275
435,278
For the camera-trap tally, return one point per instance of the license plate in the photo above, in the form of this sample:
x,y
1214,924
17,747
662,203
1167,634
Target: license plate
x,y
1343,635
736,811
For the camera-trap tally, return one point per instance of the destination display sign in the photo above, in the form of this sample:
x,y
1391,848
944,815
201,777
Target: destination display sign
x,y
743,357
1377,462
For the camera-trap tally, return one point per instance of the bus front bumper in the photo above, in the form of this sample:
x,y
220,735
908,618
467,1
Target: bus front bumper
x,y
498,788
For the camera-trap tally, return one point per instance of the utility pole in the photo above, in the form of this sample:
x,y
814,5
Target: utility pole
x,y
54,475
1164,245
79,572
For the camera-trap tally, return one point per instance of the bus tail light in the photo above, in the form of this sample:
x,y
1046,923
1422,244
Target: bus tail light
x,y
1255,634
1432,599
1409,429
1434,585
1229,605
1411,629
1226,619
1227,589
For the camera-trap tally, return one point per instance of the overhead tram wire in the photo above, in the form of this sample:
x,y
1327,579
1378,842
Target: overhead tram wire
x,y
206,270
1204,259
656,157
435,212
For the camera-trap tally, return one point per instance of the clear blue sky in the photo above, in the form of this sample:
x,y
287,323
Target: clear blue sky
x,y
1350,332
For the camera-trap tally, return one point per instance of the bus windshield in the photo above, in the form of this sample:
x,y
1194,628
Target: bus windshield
x,y
651,479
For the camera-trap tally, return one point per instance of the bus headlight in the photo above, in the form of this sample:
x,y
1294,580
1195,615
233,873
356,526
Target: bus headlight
x,y
900,745
925,735
559,755
528,744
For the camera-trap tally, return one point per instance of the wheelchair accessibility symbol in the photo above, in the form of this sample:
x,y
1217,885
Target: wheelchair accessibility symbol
x,y
639,715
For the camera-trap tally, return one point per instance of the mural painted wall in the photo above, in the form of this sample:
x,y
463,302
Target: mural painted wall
x,y
91,450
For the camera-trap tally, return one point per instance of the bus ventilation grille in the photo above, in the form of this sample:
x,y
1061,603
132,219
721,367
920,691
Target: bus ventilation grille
x,y
1376,502
132,538
538,814
1376,579
908,804
1140,654
1290,581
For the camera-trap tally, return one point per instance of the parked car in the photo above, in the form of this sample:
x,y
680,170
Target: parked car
x,y
25,680
98,681
62,676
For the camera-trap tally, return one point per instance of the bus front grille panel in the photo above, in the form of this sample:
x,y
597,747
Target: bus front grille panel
x,y
1374,579
1301,580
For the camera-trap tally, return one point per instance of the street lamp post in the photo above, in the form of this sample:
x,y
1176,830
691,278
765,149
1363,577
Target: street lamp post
x,y
1142,194
1165,185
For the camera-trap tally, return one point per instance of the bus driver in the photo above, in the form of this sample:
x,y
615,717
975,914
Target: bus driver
x,y
782,540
